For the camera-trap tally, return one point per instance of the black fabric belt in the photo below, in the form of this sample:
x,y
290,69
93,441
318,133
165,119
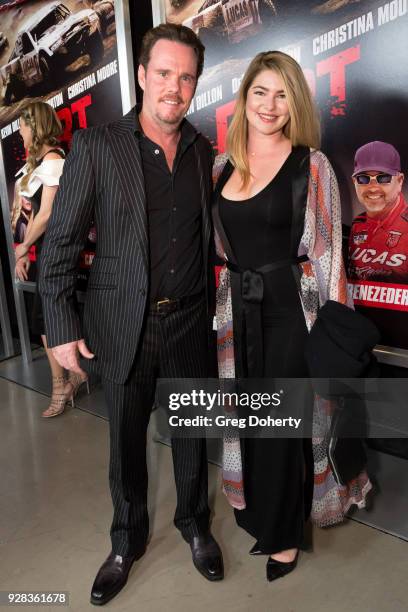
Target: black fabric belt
x,y
247,290
167,305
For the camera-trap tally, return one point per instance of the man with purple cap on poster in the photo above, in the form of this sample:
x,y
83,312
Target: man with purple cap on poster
x,y
378,243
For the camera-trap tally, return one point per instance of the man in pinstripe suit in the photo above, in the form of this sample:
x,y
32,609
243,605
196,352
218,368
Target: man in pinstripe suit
x,y
146,181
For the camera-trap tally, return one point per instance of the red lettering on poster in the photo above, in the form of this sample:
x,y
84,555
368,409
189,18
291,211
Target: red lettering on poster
x,y
390,296
79,107
66,116
222,115
335,66
311,80
85,259
217,270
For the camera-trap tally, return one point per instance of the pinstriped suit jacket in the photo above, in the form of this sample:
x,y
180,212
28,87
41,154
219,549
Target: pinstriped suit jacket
x,y
103,181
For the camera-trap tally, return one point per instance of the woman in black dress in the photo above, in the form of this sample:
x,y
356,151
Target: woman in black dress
x,y
274,133
40,129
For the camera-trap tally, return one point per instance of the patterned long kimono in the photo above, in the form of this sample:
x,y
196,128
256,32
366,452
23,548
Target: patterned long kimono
x,y
322,278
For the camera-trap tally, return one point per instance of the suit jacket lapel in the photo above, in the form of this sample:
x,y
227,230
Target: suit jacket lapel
x,y
205,195
128,164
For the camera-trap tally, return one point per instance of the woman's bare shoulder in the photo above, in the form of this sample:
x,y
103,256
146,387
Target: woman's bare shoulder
x,y
53,155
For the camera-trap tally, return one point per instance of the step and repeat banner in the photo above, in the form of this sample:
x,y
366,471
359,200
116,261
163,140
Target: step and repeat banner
x,y
65,53
355,57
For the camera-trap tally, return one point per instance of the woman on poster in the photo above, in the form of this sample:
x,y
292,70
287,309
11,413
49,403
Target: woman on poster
x,y
40,129
278,224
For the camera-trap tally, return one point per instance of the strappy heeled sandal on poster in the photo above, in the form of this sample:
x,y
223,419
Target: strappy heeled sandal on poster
x,y
60,396
77,381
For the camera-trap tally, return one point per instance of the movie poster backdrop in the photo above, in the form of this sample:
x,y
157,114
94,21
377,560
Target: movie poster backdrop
x,y
354,56
64,53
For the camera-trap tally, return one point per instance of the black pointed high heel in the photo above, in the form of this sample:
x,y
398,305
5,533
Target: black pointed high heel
x,y
255,550
277,569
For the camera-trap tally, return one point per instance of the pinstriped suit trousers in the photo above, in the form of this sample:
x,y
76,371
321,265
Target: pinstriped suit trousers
x,y
171,346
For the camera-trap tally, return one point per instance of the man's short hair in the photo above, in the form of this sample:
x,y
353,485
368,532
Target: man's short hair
x,y
175,33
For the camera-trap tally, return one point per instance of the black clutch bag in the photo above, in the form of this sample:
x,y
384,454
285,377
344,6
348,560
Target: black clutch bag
x,y
340,344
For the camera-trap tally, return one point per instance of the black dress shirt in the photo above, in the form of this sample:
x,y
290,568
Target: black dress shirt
x,y
174,212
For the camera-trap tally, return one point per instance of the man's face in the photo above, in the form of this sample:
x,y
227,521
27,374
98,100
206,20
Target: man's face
x,y
168,82
378,198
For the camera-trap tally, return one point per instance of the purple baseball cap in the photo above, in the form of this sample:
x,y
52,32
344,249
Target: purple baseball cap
x,y
377,156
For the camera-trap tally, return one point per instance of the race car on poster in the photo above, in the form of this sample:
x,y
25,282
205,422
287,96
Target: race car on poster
x,y
47,44
106,13
235,19
5,5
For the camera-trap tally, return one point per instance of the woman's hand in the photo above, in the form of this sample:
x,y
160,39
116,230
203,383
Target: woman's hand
x,y
22,268
21,250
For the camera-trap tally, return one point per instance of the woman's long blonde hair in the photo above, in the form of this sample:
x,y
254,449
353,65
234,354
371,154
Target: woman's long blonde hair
x,y
16,210
46,129
303,127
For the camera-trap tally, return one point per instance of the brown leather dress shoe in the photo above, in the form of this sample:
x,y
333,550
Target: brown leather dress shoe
x,y
111,578
207,556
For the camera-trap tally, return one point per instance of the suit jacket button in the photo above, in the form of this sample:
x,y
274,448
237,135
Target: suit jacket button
x,y
142,292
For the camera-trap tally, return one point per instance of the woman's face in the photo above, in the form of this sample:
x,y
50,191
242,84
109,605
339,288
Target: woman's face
x,y
266,106
26,133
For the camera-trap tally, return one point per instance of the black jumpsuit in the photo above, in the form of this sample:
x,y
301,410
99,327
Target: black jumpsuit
x,y
259,232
